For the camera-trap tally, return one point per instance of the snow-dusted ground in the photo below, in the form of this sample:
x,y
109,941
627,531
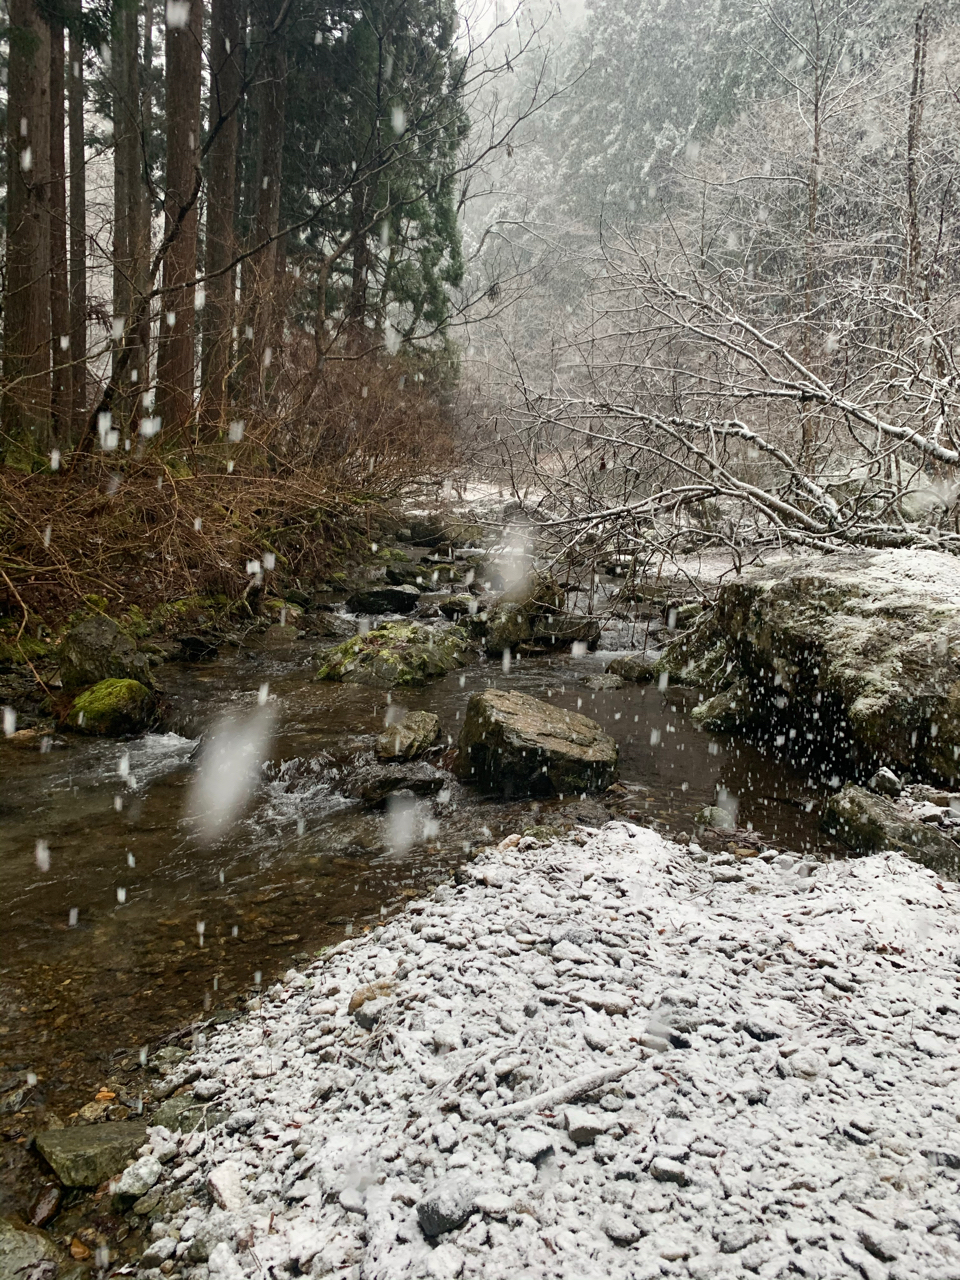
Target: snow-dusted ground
x,y
605,1057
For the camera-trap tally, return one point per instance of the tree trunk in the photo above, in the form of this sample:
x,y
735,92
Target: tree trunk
x,y
356,309
59,279
176,356
913,247
129,251
260,270
26,356
142,278
78,241
226,83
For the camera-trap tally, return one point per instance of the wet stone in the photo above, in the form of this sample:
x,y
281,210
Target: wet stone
x,y
87,1155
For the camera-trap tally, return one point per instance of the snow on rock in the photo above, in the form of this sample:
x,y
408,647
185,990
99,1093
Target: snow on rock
x,y
757,1077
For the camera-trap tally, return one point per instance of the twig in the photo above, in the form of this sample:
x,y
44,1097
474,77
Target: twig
x,y
568,1092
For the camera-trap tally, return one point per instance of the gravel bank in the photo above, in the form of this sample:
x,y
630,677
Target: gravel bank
x,y
602,1057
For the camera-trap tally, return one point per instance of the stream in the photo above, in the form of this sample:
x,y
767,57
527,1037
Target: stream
x,y
134,930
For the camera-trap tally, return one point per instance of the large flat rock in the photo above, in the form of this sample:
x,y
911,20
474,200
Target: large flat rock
x,y
858,654
88,1154
514,744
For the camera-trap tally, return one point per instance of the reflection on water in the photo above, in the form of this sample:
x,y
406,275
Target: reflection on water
x,y
104,951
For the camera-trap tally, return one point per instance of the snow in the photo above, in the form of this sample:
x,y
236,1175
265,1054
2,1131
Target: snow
x,y
599,1057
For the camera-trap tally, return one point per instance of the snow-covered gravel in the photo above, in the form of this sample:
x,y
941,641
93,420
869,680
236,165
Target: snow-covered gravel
x,y
602,1057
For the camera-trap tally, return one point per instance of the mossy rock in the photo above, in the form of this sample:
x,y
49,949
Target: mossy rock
x,y
396,654
113,708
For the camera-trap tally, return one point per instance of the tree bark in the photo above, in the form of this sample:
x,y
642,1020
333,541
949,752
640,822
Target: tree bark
x,y
60,394
226,84
26,356
176,356
78,240
260,270
129,195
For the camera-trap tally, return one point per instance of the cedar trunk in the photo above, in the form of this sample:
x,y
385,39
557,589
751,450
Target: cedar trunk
x,y
78,240
60,395
226,83
175,360
26,356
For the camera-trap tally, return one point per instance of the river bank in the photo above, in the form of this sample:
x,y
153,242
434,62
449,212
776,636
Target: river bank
x,y
607,1055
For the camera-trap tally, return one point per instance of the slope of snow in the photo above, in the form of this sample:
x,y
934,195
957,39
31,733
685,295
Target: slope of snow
x,y
603,1057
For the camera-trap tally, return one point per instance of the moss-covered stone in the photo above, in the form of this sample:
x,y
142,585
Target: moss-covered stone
x,y
395,654
113,708
98,649
871,823
852,656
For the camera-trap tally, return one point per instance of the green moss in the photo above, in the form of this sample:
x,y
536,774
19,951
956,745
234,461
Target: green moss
x,y
397,654
26,648
113,708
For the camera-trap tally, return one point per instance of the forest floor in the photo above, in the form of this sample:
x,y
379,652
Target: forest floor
x,y
606,1056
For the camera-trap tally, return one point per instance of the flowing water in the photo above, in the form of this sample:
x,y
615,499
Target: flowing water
x,y
133,929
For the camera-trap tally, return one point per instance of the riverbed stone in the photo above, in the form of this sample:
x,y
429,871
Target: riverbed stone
x,y
448,1205
23,1249
97,649
396,654
374,783
515,744
725,711
87,1155
113,708
870,823
409,737
513,621
387,597
860,650
633,666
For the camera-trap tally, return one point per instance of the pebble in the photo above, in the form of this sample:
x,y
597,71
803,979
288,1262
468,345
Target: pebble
x,y
137,1179
771,1077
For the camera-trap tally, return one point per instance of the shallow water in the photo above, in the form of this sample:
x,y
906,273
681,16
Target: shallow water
x,y
102,951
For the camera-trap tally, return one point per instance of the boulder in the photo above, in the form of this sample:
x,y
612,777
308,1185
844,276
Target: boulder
x,y
633,666
514,744
409,737
24,1251
859,651
96,649
374,783
555,630
716,817
396,653
604,682
113,708
457,607
513,621
870,823
197,648
385,598
87,1155
724,712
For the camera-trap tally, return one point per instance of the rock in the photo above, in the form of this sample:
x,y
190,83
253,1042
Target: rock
x,y
278,635
724,712
883,1244
197,648
45,1203
619,1229
583,1126
633,666
605,682
113,708
406,575
96,649
664,1170
445,1262
885,782
716,817
224,1183
333,1080
529,1144
515,744
556,630
440,530
370,1013
861,650
186,1113
138,1178
457,607
374,783
24,1250
158,1251
386,598
448,1205
205,1090
372,991
870,823
395,654
514,620
87,1155
409,737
